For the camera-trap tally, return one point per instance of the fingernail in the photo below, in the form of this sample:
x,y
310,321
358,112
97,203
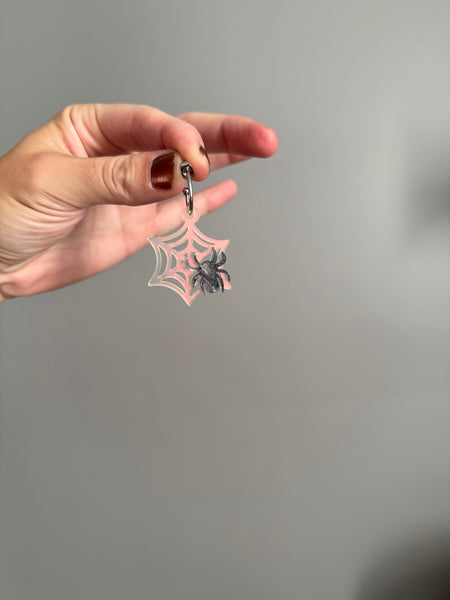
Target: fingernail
x,y
161,172
203,151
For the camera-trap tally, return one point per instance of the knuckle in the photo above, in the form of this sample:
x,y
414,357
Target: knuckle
x,y
36,173
66,114
115,176
72,114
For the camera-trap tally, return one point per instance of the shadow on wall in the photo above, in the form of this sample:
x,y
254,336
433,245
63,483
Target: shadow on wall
x,y
418,571
429,191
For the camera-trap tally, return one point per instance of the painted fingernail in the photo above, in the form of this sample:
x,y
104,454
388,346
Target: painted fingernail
x,y
161,172
203,151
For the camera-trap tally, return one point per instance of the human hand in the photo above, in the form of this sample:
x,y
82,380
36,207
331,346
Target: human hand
x,y
84,191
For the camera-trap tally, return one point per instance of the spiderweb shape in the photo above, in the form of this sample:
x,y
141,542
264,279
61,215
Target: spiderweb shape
x,y
175,255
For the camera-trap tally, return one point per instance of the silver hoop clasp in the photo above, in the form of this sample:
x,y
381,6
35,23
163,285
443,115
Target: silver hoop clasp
x,y
187,172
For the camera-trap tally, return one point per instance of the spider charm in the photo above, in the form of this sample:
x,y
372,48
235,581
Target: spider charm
x,y
208,273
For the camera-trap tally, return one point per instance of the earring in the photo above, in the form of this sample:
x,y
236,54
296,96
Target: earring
x,y
187,261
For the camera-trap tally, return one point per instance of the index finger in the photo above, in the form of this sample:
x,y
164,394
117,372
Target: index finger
x,y
110,129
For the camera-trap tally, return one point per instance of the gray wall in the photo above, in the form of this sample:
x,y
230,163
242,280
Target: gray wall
x,y
280,440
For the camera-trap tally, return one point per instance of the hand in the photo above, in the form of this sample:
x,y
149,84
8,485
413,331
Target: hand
x,y
83,192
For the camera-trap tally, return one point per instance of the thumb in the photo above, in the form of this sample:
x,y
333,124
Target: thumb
x,y
131,179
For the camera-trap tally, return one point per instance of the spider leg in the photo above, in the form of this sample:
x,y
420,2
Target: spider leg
x,y
196,261
194,279
225,273
213,255
220,280
188,264
223,260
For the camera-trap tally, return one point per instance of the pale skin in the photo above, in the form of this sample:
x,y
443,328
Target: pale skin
x,y
76,196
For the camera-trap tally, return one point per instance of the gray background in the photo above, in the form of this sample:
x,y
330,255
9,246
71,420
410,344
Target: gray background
x,y
279,440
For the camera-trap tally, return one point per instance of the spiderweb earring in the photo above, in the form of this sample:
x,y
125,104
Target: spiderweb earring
x,y
187,261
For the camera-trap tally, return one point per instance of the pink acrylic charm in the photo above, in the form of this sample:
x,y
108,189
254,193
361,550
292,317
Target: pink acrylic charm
x,y
188,262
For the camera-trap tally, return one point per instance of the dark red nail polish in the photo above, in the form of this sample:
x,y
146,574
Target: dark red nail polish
x,y
161,172
203,151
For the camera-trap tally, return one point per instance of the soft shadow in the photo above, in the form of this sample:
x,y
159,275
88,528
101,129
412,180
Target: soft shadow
x,y
429,188
419,570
